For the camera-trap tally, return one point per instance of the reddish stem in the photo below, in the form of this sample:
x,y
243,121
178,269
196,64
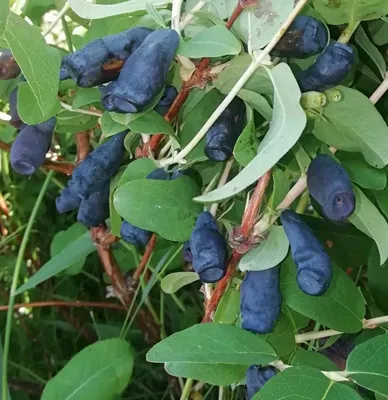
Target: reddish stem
x,y
83,145
236,13
58,303
146,257
246,228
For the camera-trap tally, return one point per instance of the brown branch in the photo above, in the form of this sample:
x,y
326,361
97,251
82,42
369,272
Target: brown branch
x,y
83,145
146,257
32,388
59,303
244,231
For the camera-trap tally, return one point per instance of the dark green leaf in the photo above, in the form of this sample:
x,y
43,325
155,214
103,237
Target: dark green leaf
x,y
228,308
213,344
257,101
367,365
312,359
110,127
340,308
163,207
4,11
304,383
176,280
281,185
151,123
86,96
138,169
378,279
100,372
38,61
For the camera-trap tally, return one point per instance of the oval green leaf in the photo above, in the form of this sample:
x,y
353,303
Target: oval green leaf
x,y
341,307
176,280
100,371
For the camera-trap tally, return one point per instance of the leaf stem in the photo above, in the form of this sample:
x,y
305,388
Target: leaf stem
x,y
60,14
223,179
80,110
187,389
348,32
67,32
239,84
190,15
15,278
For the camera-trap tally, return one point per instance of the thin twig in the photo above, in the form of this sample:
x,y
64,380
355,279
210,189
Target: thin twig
x,y
58,17
144,260
83,145
186,20
221,182
58,303
80,110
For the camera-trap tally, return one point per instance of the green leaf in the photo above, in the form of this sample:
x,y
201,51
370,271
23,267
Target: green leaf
x,y
99,371
256,101
286,127
68,121
379,31
163,207
370,49
259,82
214,374
365,175
194,121
381,197
38,61
4,12
63,239
337,12
110,127
28,107
88,10
367,365
138,169
269,253
155,14
304,383
81,247
340,308
177,280
259,22
368,219
86,96
298,320
228,308
312,359
246,146
346,128
378,279
216,41
213,344
151,123
281,185
282,339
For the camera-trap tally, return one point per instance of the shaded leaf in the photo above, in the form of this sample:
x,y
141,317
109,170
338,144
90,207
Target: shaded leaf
x,y
176,280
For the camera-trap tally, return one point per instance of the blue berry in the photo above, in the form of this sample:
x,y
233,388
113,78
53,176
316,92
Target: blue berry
x,y
166,100
9,69
159,174
134,235
187,254
190,172
95,209
98,167
261,300
329,70
222,136
329,184
63,73
67,201
256,377
145,71
313,265
28,152
209,249
106,96
304,38
100,60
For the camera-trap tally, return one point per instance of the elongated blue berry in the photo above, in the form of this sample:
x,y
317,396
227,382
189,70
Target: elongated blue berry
x,y
222,136
329,69
67,201
101,60
28,152
9,68
313,265
261,300
98,167
106,96
133,234
166,100
209,249
145,71
304,38
329,184
95,209
256,377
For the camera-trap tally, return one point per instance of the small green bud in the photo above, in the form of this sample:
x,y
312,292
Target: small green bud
x,y
313,100
334,95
